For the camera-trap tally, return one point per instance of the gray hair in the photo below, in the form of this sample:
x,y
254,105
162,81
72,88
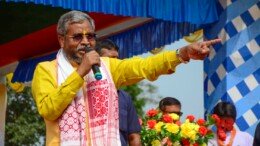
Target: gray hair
x,y
70,18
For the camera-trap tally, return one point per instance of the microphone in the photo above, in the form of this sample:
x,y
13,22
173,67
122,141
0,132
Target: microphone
x,y
95,68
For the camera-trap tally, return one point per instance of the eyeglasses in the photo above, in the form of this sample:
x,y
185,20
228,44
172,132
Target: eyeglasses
x,y
177,113
79,37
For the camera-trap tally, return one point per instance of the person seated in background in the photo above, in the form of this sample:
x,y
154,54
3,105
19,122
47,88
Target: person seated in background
x,y
257,135
227,135
128,120
107,48
170,105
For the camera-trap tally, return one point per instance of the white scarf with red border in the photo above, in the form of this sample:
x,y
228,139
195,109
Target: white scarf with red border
x,y
92,117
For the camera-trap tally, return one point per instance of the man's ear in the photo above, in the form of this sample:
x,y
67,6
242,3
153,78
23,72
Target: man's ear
x,y
61,40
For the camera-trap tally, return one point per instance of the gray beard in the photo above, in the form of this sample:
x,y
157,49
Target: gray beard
x,y
73,58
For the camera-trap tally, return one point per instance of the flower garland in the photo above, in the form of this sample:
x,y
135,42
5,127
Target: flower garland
x,y
225,124
233,134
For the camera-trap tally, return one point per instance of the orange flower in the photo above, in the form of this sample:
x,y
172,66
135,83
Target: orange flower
x,y
167,118
151,123
152,113
191,118
203,130
201,122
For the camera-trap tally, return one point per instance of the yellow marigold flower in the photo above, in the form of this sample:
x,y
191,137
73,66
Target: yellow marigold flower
x,y
173,128
156,143
158,126
187,121
189,130
196,127
189,134
174,116
192,135
204,144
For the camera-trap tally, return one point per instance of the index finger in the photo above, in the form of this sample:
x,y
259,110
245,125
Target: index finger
x,y
212,42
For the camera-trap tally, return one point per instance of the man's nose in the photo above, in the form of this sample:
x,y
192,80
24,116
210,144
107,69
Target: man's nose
x,y
84,40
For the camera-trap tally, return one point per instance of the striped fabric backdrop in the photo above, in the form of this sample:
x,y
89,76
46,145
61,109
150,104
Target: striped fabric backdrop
x,y
232,71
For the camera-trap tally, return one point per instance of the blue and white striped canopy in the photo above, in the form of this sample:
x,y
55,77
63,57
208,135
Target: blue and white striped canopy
x,y
173,19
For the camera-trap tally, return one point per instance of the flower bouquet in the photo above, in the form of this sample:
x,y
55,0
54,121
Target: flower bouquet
x,y
166,129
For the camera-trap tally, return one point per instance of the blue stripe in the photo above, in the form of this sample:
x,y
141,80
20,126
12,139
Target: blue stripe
x,y
257,75
248,101
242,124
245,53
206,66
206,102
233,79
228,64
258,40
230,29
256,110
217,47
219,7
226,98
205,83
236,42
247,18
231,12
243,89
215,79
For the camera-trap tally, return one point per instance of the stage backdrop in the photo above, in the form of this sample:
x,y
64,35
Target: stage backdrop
x,y
232,71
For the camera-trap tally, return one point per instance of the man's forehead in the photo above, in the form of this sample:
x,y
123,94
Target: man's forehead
x,y
172,106
83,28
109,49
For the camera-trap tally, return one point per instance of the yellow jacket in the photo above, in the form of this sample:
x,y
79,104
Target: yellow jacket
x,y
52,100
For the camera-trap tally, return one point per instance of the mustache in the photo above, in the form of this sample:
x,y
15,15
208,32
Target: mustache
x,y
85,48
81,49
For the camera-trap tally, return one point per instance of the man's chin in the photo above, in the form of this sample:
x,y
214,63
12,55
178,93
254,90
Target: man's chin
x,y
77,59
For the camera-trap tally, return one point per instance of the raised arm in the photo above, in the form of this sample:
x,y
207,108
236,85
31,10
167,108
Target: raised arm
x,y
133,70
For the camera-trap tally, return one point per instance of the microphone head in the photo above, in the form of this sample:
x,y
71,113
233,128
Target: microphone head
x,y
98,76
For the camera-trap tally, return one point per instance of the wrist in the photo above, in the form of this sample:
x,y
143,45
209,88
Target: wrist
x,y
181,55
81,74
81,71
